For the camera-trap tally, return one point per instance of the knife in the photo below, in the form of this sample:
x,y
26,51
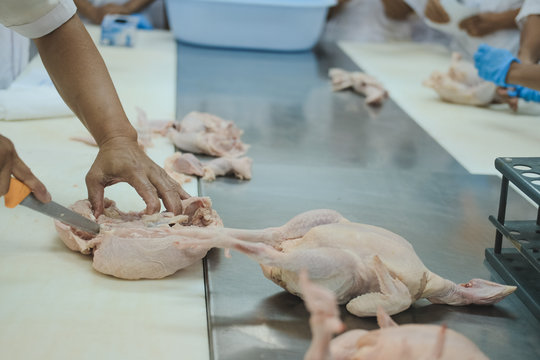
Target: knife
x,y
19,193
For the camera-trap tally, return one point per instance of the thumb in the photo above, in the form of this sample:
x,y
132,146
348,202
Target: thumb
x,y
96,192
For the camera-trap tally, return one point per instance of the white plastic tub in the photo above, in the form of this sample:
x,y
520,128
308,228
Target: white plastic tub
x,y
283,25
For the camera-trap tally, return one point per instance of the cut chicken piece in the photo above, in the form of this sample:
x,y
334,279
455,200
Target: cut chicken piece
x,y
238,167
390,342
136,246
363,84
179,166
203,133
461,84
364,265
188,164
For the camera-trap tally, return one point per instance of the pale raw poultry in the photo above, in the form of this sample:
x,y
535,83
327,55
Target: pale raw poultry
x,y
180,164
365,266
203,133
136,246
360,82
390,342
461,84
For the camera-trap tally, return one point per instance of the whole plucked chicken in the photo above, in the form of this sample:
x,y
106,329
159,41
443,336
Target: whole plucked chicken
x,y
390,342
461,84
365,266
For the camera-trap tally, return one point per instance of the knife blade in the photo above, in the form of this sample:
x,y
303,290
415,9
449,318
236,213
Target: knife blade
x,y
20,194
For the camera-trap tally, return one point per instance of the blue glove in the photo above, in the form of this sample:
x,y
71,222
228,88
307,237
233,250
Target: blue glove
x,y
493,64
528,94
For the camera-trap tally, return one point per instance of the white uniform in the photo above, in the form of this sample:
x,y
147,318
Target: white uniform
x,y
30,19
530,7
14,55
365,21
155,12
467,45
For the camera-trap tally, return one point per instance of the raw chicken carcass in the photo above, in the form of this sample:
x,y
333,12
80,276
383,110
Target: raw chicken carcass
x,y
188,164
390,342
365,266
204,133
136,246
461,84
362,83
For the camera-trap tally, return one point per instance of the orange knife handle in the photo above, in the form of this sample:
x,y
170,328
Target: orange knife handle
x,y
17,192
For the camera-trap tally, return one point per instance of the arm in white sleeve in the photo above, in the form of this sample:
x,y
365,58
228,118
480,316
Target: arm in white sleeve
x,y
35,18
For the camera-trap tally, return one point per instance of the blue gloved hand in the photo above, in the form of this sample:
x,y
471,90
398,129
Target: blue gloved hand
x,y
493,64
528,94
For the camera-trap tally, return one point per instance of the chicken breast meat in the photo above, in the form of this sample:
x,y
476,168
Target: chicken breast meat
x,y
137,246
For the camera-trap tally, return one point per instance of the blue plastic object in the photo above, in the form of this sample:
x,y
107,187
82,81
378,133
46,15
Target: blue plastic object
x,y
119,30
493,64
144,23
528,94
276,25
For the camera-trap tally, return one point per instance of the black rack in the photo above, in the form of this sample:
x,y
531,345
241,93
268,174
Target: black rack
x,y
519,266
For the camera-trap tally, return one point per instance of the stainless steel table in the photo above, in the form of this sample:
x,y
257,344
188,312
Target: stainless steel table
x,y
316,149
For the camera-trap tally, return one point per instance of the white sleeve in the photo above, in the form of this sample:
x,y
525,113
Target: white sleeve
x,y
35,18
530,7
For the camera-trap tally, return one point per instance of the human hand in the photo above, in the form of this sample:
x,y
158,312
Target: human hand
x,y
493,63
122,160
528,94
11,164
396,9
507,96
97,13
435,12
480,25
114,9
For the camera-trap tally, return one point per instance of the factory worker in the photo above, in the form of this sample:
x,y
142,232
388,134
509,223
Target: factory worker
x,y
473,22
521,75
95,10
82,79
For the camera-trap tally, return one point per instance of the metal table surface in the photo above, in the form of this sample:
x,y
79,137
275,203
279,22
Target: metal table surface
x,y
316,149
285,105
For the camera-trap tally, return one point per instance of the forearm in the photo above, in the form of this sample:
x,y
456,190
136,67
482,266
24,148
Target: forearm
x,y
85,8
81,77
527,75
396,9
136,5
507,19
529,49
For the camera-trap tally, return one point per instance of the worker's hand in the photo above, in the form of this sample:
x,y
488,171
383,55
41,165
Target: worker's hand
x,y
97,13
397,9
481,24
528,94
435,12
112,8
11,164
493,63
122,160
507,96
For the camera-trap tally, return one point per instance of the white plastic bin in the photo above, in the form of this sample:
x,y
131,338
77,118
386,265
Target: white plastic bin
x,y
282,25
